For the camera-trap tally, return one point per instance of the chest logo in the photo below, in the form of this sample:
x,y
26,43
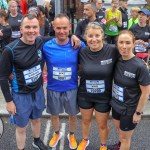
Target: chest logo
x,y
129,74
106,62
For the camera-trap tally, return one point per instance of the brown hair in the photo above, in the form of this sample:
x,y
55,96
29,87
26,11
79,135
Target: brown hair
x,y
126,32
4,14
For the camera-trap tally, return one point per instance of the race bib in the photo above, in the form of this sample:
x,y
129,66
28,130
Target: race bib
x,y
118,92
140,48
62,74
95,86
124,24
32,75
113,28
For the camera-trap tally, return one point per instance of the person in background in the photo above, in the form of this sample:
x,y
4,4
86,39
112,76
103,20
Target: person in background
x,y
31,3
50,14
134,16
100,11
96,64
131,89
14,20
90,16
5,30
141,31
124,12
62,63
44,26
113,21
147,5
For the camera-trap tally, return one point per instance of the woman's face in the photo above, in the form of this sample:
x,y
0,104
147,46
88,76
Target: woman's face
x,y
125,45
134,14
13,8
94,38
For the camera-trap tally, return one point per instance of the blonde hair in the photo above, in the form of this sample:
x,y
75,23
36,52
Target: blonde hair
x,y
94,25
136,9
12,2
46,3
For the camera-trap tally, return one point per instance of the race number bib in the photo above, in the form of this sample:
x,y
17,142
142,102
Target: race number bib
x,y
140,48
113,28
118,92
62,74
124,24
95,86
32,75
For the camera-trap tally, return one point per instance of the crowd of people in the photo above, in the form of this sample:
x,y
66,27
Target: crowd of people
x,y
102,67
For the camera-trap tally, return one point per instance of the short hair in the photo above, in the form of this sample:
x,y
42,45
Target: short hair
x,y
29,16
135,9
126,32
11,2
93,5
61,15
94,25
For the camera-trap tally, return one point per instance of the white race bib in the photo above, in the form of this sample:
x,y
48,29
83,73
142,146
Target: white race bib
x,y
118,92
95,86
140,48
113,28
62,73
32,75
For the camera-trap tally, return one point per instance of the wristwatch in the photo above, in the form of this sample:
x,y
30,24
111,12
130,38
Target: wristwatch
x,y
138,113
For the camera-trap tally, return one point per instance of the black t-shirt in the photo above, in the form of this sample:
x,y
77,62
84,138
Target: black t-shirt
x,y
24,61
15,22
128,76
100,14
142,33
81,26
97,73
124,14
5,39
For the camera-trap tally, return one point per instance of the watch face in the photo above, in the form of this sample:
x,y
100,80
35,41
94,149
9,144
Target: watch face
x,y
138,113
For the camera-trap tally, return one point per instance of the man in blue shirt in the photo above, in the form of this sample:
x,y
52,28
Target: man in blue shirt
x,y
62,63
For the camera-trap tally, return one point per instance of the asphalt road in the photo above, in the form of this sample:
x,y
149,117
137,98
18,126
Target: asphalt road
x,y
140,140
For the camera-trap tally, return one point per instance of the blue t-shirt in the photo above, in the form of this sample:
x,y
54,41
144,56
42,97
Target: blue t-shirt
x,y
62,65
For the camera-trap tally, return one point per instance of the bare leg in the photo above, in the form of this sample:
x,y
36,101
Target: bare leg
x,y
36,127
55,122
20,137
72,123
87,115
101,119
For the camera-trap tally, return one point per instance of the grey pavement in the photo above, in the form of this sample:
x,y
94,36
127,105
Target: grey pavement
x,y
4,112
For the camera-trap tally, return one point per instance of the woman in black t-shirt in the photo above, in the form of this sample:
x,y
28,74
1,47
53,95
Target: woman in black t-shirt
x,y
130,89
96,63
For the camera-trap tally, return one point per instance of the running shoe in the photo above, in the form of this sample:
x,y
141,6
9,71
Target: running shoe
x,y
39,145
72,141
55,139
83,145
103,148
115,146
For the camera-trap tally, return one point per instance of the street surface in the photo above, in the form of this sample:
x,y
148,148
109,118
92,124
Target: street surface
x,y
140,141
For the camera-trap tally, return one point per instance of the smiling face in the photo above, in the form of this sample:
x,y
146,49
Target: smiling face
x,y
125,44
94,38
30,30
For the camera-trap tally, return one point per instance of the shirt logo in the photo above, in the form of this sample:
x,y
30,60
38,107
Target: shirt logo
x,y
129,74
147,33
106,62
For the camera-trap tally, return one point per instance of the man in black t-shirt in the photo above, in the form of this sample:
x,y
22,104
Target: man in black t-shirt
x,y
90,16
23,58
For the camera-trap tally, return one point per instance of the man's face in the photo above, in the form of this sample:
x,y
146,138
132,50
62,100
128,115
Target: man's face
x,y
62,28
88,11
99,4
29,30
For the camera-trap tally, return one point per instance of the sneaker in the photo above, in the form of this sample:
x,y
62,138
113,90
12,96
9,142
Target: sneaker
x,y
72,141
55,139
103,148
39,145
115,146
83,145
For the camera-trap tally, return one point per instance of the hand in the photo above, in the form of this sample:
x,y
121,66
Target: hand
x,y
136,118
11,108
75,42
103,21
